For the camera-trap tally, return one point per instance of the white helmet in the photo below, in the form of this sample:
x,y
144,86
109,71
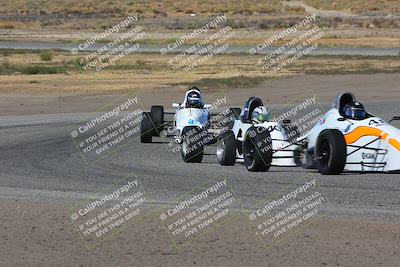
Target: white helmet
x,y
260,114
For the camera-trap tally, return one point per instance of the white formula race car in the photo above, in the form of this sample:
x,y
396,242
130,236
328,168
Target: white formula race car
x,y
349,138
257,141
190,127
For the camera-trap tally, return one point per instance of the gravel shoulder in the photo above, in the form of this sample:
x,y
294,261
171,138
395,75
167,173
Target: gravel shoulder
x,y
48,239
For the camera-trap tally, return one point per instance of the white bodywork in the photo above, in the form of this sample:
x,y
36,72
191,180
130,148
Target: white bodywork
x,y
191,117
283,151
185,116
373,145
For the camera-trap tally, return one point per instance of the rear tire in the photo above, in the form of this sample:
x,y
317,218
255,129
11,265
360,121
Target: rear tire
x,y
330,152
157,116
257,149
226,149
192,150
146,128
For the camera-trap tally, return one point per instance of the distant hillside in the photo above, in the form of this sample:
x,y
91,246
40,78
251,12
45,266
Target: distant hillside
x,y
123,7
175,7
362,7
185,14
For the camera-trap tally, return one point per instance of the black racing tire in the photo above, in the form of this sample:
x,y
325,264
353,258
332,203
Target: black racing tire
x,y
146,128
226,148
192,149
307,160
292,132
257,149
157,116
330,152
298,154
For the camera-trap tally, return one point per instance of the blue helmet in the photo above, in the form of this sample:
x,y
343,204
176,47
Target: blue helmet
x,y
354,111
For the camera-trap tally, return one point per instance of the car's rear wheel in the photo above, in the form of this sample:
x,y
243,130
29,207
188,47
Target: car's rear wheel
x,y
147,130
226,149
192,149
257,149
330,152
157,116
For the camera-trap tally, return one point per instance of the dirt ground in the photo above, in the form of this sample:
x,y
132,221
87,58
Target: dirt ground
x,y
50,240
369,88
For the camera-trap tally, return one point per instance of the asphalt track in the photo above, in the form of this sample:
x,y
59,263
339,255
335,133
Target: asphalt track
x,y
40,163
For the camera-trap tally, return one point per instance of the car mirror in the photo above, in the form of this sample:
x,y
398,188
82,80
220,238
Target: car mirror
x,y
395,118
341,119
175,105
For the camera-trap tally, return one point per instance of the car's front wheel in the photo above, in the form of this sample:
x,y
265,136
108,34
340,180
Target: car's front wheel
x,y
330,152
192,147
257,149
226,148
147,130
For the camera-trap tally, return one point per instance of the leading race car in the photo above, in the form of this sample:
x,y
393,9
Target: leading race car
x,y
349,138
190,126
256,140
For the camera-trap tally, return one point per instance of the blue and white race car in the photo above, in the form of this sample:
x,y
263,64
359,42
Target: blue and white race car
x,y
190,126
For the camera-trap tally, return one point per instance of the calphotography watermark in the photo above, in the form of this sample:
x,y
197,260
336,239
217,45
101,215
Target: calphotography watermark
x,y
299,116
109,211
293,208
198,211
109,129
108,54
293,50
203,50
196,128
279,140
187,37
278,58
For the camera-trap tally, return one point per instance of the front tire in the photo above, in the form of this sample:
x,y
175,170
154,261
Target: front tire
x,y
146,128
226,149
330,152
157,116
257,149
192,149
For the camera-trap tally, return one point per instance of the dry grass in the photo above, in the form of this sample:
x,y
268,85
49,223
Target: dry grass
x,y
358,6
146,71
173,7
121,7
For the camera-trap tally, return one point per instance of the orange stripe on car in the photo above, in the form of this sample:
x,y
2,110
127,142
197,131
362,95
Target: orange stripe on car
x,y
362,131
395,143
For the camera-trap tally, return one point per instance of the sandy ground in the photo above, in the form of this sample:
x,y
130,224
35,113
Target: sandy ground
x,y
49,239
35,234
369,88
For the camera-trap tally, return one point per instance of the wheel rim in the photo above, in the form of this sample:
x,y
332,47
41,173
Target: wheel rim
x,y
221,150
250,150
184,147
325,152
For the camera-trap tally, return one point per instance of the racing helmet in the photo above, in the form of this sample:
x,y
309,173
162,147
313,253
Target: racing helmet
x,y
355,111
260,114
193,99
